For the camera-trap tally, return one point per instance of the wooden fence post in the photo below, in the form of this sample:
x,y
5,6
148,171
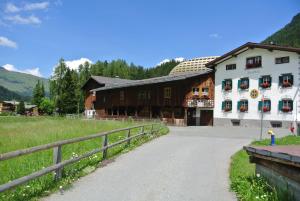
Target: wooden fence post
x,y
104,144
57,157
128,136
151,132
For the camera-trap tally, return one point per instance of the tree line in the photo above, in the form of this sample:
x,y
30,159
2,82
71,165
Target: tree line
x,y
66,96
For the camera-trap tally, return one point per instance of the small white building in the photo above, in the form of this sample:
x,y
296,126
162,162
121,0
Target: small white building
x,y
254,78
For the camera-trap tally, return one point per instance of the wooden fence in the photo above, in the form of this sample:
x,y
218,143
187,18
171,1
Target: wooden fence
x,y
58,165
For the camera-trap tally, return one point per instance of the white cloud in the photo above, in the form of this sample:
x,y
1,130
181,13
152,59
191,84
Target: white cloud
x,y
178,59
36,6
11,8
17,19
74,64
215,35
7,43
33,71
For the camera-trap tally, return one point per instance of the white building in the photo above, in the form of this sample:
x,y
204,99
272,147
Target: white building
x,y
255,77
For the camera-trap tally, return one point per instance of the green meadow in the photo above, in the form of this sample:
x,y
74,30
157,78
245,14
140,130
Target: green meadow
x,y
23,132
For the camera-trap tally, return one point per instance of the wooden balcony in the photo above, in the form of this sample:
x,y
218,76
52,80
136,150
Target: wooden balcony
x,y
201,103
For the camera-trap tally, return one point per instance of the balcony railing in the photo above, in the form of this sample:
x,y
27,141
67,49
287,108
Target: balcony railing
x,y
200,103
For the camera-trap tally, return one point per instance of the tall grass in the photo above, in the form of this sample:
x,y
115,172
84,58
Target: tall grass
x,y
21,132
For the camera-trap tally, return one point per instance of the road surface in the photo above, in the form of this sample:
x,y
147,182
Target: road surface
x,y
189,164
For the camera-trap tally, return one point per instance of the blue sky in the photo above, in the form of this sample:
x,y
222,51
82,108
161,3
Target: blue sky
x,y
35,34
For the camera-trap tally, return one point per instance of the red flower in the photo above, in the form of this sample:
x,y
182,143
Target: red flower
x,y
243,109
266,109
286,109
265,85
286,83
227,109
227,87
244,86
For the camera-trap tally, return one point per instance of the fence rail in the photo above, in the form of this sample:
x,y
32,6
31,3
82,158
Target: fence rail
x,y
57,152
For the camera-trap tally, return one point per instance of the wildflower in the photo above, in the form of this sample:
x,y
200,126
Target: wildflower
x,y
24,194
258,175
27,186
60,187
257,197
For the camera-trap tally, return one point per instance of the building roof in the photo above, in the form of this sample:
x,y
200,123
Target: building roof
x,y
246,47
168,78
192,65
105,80
30,106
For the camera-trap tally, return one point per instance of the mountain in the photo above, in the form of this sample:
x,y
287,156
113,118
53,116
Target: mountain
x,y
288,35
20,83
5,94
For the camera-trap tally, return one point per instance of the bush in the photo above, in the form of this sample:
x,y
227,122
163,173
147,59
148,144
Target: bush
x,y
46,106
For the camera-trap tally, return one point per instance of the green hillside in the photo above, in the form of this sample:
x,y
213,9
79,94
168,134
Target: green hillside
x,y
5,94
20,83
288,35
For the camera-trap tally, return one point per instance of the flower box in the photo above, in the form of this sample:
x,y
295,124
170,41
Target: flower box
x,y
286,109
286,84
244,86
227,87
227,109
243,109
265,85
266,109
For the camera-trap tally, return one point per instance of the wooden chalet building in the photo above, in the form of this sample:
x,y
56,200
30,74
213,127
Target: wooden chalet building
x,y
185,98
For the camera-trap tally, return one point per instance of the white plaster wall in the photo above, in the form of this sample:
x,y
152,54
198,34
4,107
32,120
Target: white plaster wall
x,y
268,68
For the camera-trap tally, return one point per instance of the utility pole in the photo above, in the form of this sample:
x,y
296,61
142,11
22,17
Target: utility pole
x,y
296,99
262,116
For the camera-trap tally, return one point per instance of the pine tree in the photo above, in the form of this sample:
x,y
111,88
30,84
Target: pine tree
x,y
38,93
68,100
21,108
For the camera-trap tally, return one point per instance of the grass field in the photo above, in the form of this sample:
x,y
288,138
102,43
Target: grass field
x,y
23,132
249,186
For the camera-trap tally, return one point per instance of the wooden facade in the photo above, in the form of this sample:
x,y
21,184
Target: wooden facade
x,y
172,101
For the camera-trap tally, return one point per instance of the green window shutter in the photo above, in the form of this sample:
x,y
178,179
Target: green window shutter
x,y
259,82
231,105
238,105
270,105
270,81
280,105
248,81
223,105
292,105
280,80
259,105
223,84
239,84
292,79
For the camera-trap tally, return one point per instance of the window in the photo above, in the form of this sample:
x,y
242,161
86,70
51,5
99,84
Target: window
x,y
195,91
242,105
227,84
276,124
144,95
227,105
265,81
253,62
94,93
122,96
282,60
285,105
167,92
264,106
205,91
231,67
286,80
243,83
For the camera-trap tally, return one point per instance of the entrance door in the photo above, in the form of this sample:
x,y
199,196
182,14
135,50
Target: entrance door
x,y
206,118
191,117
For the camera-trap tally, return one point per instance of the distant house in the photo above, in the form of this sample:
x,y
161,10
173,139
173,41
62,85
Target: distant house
x,y
8,106
11,106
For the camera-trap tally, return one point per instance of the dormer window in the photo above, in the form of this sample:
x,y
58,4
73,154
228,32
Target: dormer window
x,y
286,80
243,83
195,91
227,84
264,106
204,93
253,62
227,105
265,81
285,105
